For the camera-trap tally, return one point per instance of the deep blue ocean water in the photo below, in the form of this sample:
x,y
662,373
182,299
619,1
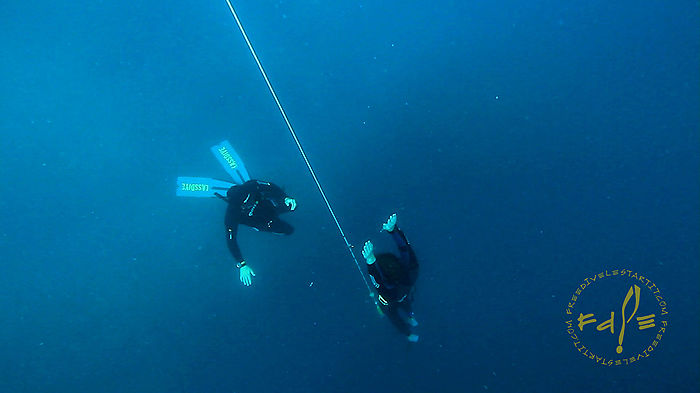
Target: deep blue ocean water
x,y
525,147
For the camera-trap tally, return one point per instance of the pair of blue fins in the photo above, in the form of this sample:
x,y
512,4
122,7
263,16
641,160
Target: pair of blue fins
x,y
204,187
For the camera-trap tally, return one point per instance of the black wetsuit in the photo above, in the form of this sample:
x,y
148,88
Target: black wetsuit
x,y
256,204
398,294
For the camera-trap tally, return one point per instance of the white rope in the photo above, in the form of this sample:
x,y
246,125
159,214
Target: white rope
x,y
296,140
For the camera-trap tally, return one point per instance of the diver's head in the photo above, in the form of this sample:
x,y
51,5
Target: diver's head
x,y
391,267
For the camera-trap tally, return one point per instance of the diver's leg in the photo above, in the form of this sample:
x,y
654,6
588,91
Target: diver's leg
x,y
392,313
407,312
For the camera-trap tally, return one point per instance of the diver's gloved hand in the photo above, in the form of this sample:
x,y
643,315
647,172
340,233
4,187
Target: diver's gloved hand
x,y
246,274
413,338
368,252
291,203
390,224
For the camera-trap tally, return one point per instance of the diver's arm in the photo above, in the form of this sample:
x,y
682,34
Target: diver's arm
x,y
402,243
283,203
396,234
245,273
374,276
232,232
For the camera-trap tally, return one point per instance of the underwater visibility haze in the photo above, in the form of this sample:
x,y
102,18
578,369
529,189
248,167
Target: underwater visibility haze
x,y
526,147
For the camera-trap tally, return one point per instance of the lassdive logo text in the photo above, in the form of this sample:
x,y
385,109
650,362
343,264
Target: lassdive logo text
x,y
227,156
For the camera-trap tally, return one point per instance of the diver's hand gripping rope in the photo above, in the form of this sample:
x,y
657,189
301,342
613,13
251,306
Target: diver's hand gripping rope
x,y
296,140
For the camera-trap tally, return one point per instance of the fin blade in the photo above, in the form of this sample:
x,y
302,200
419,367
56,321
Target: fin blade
x,y
201,187
231,161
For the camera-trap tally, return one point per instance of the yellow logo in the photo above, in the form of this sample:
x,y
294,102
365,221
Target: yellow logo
x,y
616,317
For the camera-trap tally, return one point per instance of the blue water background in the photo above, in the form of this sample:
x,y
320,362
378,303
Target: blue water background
x,y
524,145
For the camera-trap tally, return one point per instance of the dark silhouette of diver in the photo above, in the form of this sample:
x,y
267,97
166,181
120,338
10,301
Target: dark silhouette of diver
x,y
256,204
394,279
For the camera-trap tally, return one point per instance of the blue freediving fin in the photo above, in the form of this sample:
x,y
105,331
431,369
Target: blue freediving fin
x,y
231,162
202,187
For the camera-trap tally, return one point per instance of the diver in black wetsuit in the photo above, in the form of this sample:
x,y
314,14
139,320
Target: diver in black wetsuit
x,y
256,204
394,279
